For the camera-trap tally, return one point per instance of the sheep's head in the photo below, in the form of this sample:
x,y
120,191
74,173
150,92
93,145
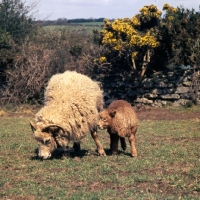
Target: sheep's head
x,y
105,118
47,138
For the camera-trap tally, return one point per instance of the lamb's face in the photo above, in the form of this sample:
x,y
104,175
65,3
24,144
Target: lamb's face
x,y
104,120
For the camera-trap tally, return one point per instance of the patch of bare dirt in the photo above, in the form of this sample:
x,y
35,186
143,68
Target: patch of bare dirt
x,y
143,114
165,114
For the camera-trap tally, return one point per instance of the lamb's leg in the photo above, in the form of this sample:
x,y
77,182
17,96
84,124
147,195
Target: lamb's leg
x,y
123,143
114,139
98,144
132,140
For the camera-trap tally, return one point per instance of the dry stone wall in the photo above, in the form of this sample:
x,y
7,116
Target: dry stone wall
x,y
177,87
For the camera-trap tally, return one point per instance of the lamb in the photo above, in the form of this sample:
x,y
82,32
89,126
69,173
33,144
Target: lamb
x,y
72,102
121,121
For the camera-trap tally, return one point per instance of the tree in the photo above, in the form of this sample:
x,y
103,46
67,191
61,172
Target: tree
x,y
181,30
15,25
180,35
130,43
14,20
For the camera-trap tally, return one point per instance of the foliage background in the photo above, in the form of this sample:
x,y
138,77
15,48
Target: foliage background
x,y
31,51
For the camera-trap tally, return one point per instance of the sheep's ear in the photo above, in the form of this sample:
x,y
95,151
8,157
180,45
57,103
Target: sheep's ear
x,y
52,128
33,126
112,113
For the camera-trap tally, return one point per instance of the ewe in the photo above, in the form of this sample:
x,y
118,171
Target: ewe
x,y
72,103
121,121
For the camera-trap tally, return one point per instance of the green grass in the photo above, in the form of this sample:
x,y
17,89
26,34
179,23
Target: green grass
x,y
167,167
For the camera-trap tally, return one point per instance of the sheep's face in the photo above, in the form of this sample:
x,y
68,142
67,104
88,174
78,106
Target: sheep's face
x,y
45,139
46,144
105,119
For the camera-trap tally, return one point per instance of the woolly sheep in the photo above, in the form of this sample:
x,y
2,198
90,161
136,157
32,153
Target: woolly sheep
x,y
72,103
121,121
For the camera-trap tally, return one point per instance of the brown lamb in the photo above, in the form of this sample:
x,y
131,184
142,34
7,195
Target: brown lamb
x,y
121,121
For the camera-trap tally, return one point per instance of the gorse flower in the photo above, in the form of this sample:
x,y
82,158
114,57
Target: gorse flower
x,y
102,59
135,21
134,54
170,18
147,12
169,8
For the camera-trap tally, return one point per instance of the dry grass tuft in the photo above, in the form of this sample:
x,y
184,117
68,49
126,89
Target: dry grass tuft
x,y
3,113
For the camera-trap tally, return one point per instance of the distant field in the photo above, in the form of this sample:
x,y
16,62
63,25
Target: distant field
x,y
167,166
86,27
91,23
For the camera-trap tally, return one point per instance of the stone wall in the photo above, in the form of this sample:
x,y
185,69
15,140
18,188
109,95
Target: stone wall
x,y
177,87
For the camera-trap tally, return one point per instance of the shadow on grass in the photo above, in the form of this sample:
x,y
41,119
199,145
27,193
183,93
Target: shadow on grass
x,y
120,152
61,154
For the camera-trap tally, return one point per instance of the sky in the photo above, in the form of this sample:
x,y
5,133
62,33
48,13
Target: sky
x,y
110,9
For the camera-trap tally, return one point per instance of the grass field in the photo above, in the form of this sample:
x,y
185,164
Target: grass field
x,y
167,166
86,28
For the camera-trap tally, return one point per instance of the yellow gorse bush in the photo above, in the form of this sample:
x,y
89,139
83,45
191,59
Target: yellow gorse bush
x,y
122,33
130,39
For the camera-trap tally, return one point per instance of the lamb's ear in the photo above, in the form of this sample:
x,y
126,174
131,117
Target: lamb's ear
x,y
112,113
33,126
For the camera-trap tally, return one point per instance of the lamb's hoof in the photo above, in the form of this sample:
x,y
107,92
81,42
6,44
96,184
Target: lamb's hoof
x,y
114,153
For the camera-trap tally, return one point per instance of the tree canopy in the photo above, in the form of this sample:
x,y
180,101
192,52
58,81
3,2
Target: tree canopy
x,y
148,39
15,23
181,29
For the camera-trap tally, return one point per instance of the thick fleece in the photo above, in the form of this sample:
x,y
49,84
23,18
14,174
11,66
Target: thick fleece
x,y
72,101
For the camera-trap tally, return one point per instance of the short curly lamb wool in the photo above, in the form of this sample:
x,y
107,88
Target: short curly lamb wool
x,y
121,121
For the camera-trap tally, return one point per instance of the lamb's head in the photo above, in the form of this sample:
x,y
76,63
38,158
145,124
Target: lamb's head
x,y
105,118
47,138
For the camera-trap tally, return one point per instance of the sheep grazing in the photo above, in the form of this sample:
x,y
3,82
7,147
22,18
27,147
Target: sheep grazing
x,y
72,103
121,121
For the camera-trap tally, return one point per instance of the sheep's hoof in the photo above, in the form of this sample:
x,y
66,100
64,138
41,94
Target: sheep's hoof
x,y
124,148
101,152
135,155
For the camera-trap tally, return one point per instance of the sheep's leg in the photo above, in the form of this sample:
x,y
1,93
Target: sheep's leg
x,y
111,142
98,144
123,143
76,147
114,139
132,140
